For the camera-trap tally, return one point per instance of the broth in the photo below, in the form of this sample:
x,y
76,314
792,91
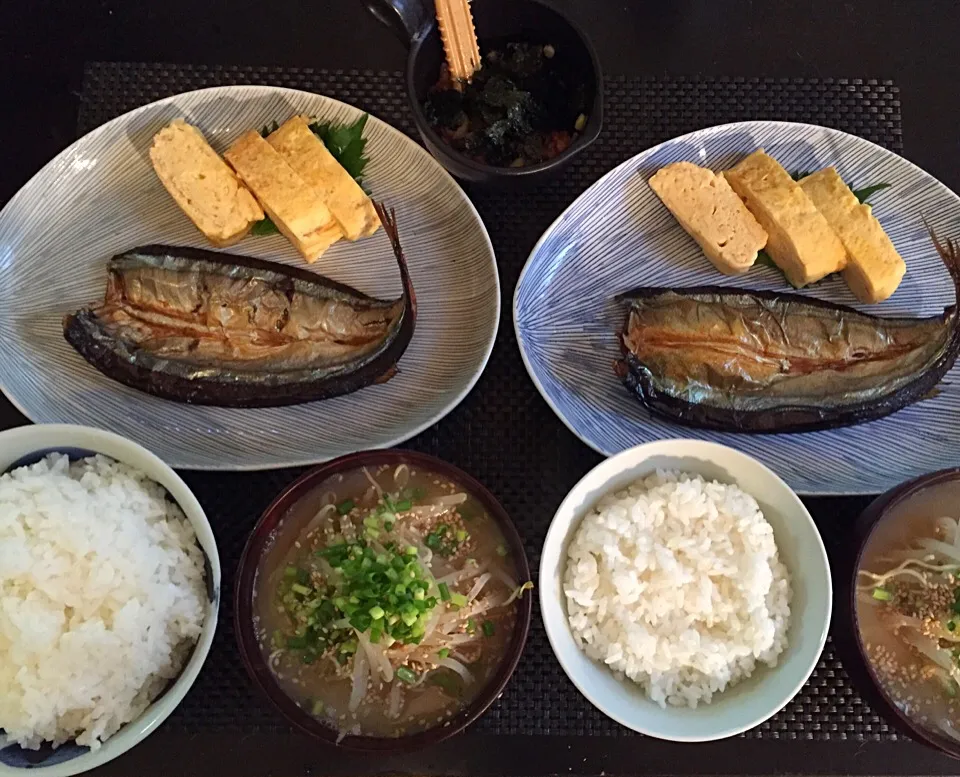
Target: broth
x,y
386,601
908,607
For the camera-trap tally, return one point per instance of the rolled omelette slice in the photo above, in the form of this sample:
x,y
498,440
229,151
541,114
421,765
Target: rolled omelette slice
x,y
874,268
711,212
306,153
294,205
202,184
801,242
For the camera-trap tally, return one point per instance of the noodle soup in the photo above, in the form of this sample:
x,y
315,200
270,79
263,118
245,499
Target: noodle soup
x,y
392,607
908,607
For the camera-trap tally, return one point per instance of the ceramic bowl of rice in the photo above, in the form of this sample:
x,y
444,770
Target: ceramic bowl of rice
x,y
685,590
109,589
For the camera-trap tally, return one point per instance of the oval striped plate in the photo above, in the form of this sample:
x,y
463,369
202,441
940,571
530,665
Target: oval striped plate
x,y
618,235
100,196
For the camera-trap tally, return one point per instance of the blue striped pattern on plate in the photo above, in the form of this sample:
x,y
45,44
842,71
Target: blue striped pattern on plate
x,y
618,235
100,196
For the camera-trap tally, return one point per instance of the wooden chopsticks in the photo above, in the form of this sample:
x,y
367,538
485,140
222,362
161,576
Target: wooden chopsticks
x,y
459,39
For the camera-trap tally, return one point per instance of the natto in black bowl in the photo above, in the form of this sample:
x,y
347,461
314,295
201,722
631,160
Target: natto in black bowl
x,y
498,23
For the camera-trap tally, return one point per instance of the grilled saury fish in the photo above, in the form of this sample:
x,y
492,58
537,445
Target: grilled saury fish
x,y
753,361
210,328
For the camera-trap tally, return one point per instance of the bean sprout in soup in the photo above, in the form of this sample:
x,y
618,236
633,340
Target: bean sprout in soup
x,y
386,601
908,607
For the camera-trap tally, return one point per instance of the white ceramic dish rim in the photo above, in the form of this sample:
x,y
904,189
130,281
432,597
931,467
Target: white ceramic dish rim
x,y
392,442
555,625
49,437
652,149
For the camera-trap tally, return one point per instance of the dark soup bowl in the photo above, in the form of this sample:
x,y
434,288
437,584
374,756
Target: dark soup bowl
x,y
570,59
380,601
900,609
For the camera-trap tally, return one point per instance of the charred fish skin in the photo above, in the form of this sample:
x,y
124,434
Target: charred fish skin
x,y
732,360
208,328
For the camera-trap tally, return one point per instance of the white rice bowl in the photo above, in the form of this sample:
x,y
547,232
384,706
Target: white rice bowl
x,y
676,583
102,598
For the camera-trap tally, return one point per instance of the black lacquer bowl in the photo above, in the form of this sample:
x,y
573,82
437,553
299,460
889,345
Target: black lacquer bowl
x,y
259,543
495,20
887,523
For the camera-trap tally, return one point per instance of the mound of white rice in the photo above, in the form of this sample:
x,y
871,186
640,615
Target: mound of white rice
x,y
676,583
102,598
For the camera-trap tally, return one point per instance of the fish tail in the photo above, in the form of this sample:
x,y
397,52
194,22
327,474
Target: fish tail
x,y
388,218
950,254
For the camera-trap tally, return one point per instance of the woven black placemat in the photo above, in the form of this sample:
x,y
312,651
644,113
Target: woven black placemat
x,y
504,433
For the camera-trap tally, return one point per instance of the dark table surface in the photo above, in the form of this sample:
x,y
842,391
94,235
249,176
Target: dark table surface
x,y
44,44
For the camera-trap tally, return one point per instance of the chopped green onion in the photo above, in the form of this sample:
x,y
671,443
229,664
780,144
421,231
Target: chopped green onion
x,y
881,594
502,551
371,533
458,600
951,625
317,708
380,592
290,572
371,523
443,653
444,591
361,621
461,535
489,629
403,505
345,507
411,551
296,643
388,525
471,626
406,674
